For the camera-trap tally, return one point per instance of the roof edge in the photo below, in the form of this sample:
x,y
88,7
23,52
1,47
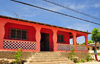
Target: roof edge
x,y
40,23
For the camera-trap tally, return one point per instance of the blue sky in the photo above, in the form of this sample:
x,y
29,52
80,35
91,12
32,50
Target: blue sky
x,y
91,7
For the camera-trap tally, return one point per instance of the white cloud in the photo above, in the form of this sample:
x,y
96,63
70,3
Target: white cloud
x,y
83,6
96,5
54,8
77,6
80,26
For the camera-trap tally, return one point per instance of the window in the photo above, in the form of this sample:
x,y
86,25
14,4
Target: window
x,y
97,48
18,34
93,48
60,38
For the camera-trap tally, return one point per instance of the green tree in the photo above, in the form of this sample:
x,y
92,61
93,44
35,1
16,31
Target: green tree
x,y
96,38
89,42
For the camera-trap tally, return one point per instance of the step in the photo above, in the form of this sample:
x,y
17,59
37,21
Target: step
x,y
48,58
47,55
53,62
44,60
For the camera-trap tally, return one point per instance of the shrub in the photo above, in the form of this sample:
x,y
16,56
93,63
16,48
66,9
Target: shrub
x,y
82,60
75,60
18,57
72,55
88,58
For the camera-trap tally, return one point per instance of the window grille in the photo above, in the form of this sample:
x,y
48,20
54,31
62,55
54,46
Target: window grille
x,y
60,38
18,34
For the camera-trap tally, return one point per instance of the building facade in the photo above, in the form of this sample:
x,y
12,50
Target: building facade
x,y
33,36
91,48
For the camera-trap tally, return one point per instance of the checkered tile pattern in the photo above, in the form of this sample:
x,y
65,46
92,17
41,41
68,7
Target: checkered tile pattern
x,y
64,47
12,44
81,48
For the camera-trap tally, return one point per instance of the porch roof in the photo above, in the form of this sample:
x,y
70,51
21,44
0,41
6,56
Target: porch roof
x,y
1,16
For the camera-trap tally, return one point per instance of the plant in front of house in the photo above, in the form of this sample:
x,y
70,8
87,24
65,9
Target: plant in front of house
x,y
73,57
82,60
89,58
18,57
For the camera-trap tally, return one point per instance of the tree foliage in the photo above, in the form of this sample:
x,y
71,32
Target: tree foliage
x,y
89,42
96,38
95,35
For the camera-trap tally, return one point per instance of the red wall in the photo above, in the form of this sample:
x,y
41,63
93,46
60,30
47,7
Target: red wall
x,y
30,31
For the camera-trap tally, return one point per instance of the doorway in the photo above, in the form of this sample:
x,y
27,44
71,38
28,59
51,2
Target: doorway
x,y
44,44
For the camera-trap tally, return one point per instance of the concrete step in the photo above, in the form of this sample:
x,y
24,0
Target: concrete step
x,y
47,54
44,60
52,62
48,58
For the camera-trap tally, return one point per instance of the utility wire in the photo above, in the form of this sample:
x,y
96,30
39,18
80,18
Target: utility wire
x,y
72,10
55,12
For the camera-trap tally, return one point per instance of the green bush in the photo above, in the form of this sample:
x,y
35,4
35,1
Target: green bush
x,y
72,55
75,60
18,57
88,58
82,60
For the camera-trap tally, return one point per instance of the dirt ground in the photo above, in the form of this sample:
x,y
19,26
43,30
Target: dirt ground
x,y
93,62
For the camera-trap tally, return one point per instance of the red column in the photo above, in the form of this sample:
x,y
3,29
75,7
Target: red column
x,y
55,40
38,38
75,41
2,32
86,41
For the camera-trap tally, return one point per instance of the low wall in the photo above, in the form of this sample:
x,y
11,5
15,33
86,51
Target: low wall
x,y
80,55
26,55
10,54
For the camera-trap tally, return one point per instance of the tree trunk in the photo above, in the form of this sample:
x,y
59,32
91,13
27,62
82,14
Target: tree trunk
x,y
95,51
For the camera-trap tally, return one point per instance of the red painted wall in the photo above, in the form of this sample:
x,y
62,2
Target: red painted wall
x,y
30,31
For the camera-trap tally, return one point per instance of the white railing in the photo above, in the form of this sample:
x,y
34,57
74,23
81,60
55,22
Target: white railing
x,y
15,44
81,47
64,47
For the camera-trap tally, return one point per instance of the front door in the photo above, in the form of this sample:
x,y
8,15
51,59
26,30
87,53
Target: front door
x,y
44,45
